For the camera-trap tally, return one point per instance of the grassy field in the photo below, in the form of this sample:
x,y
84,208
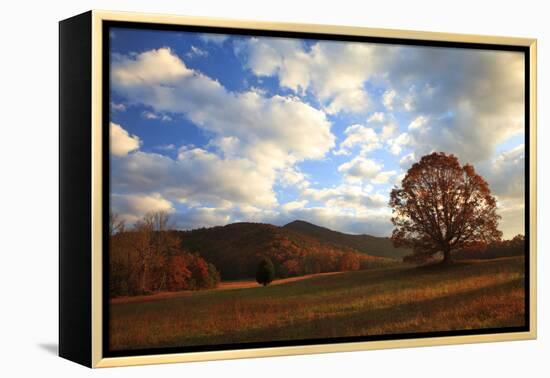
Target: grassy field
x,y
471,294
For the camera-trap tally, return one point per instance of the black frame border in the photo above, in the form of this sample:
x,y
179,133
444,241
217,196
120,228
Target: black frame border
x,y
106,91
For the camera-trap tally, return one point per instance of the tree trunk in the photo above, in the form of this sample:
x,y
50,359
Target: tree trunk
x,y
144,278
447,259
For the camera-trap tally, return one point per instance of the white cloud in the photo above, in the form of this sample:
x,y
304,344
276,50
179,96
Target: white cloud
x,y
383,177
388,131
217,39
506,174
197,217
512,212
197,178
155,116
361,168
294,205
377,117
352,101
132,207
397,144
407,161
166,147
154,67
121,142
465,102
388,99
335,72
473,99
264,126
293,177
418,123
347,197
359,135
195,51
118,107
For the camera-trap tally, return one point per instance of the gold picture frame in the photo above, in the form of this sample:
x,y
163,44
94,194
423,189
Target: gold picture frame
x,y
73,328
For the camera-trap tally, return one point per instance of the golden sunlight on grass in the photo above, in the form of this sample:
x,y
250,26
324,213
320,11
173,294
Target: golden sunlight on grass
x,y
468,295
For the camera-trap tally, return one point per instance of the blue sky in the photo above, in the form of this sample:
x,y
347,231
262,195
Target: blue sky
x,y
217,129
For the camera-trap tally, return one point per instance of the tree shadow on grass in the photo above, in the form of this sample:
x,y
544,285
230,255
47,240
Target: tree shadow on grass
x,y
374,320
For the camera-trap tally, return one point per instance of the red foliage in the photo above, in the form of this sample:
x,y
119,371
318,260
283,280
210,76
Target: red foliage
x,y
199,271
349,261
178,274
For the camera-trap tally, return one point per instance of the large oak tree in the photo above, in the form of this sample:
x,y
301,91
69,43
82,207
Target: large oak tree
x,y
442,206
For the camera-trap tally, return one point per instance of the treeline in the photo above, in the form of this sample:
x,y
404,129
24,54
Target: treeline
x,y
306,262
503,248
237,248
149,258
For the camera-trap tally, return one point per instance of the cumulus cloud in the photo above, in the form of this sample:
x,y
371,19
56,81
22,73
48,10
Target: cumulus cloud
x,y
397,144
471,100
506,173
466,102
153,67
121,141
335,72
347,197
196,178
358,135
361,168
264,127
388,98
506,177
388,131
377,117
418,123
293,205
132,207
293,177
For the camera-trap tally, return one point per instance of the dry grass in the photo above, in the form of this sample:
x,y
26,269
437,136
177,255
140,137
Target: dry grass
x,y
468,295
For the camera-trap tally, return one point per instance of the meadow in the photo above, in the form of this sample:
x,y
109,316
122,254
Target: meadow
x,y
469,294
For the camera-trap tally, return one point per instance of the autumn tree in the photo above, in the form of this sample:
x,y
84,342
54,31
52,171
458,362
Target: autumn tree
x,y
265,272
116,225
442,206
349,261
154,245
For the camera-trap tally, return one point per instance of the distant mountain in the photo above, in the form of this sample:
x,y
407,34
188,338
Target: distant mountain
x,y
372,245
237,248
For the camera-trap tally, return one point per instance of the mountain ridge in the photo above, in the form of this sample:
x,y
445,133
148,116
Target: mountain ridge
x,y
236,249
372,245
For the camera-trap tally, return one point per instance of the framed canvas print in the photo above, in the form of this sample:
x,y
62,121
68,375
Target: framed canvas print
x,y
235,189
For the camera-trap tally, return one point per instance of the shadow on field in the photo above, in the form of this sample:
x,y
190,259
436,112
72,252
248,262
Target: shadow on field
x,y
430,316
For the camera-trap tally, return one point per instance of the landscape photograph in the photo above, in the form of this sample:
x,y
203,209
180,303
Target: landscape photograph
x,y
269,189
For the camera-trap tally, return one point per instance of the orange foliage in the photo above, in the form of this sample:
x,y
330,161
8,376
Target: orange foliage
x,y
441,207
